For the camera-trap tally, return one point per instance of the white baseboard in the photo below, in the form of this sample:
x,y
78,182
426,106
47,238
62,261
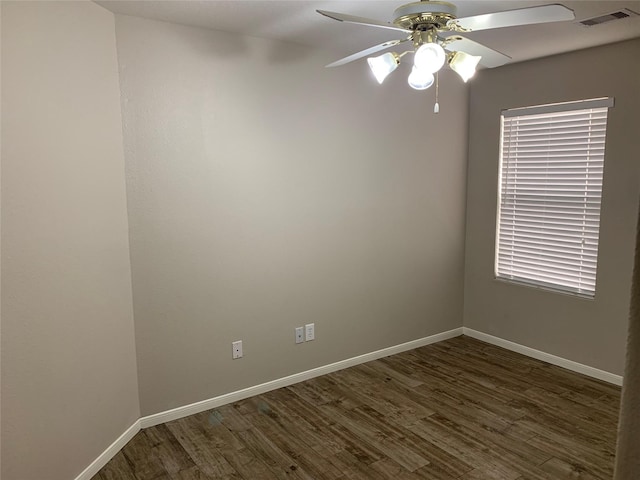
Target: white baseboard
x,y
545,357
176,413
110,452
186,410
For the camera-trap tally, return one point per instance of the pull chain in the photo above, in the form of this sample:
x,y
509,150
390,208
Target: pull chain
x,y
436,107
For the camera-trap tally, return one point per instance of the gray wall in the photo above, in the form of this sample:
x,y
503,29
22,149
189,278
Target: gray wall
x,y
69,385
266,192
590,332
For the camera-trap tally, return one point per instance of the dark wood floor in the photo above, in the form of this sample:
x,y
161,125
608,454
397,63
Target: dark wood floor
x,y
459,409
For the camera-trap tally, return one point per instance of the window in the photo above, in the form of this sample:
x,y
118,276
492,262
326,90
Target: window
x,y
551,165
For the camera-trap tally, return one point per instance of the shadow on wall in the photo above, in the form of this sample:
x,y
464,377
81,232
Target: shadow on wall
x,y
286,53
217,45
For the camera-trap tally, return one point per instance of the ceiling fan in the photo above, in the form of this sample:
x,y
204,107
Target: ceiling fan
x,y
435,32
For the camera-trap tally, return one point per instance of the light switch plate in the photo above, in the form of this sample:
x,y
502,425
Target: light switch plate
x,y
309,332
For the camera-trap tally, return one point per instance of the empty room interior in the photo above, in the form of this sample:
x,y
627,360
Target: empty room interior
x,y
223,260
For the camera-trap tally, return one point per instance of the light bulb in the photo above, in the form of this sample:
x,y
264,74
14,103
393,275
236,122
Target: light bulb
x,y
383,65
420,79
464,65
429,57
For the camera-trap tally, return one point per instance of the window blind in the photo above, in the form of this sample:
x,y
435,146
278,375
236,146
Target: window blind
x,y
551,169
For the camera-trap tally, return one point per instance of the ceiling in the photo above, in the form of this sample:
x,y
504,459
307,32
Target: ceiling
x,y
296,21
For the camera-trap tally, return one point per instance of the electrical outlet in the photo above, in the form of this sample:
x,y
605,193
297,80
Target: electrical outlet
x,y
236,349
309,332
299,334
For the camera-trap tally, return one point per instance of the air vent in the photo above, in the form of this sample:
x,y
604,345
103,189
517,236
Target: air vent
x,y
609,17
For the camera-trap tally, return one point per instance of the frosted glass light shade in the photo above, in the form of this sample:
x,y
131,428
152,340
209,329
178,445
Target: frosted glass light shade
x,y
383,65
464,65
420,79
429,57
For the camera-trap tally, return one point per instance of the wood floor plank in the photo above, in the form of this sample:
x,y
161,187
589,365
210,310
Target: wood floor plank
x,y
291,438
118,468
376,393
456,410
466,448
546,420
596,462
282,465
355,470
191,473
489,474
205,455
437,460
249,465
318,391
586,418
480,450
338,433
144,458
445,379
296,448
321,468
299,426
607,405
174,458
404,377
233,419
562,469
378,435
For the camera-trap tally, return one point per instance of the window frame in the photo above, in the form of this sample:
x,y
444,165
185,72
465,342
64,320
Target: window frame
x,y
566,108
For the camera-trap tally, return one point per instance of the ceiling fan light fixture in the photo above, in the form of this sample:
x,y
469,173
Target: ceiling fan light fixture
x,y
429,57
420,79
433,24
464,65
383,65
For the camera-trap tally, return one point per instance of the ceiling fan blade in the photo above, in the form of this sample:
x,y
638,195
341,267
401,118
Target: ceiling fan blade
x,y
342,17
364,53
512,18
490,58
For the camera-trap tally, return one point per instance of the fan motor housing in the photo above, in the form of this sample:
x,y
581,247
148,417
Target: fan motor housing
x,y
424,15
